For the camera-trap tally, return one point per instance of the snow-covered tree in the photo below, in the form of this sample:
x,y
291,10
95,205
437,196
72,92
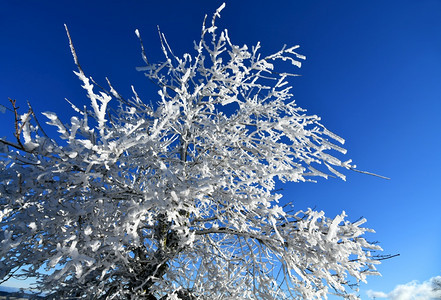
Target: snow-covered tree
x,y
177,200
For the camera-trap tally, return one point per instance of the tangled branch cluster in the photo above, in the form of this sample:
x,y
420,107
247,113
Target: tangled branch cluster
x,y
177,200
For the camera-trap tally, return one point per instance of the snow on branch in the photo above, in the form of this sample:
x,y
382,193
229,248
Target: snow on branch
x,y
177,200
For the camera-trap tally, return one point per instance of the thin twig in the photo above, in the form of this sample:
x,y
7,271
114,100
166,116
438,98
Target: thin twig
x,y
388,257
5,107
17,127
72,49
369,173
36,120
144,57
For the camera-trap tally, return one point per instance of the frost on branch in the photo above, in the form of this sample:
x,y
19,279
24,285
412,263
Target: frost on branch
x,y
177,200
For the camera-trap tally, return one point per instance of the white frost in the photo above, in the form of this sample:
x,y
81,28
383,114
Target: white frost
x,y
139,200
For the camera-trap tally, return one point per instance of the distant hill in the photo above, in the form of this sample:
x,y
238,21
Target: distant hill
x,y
13,296
8,293
9,289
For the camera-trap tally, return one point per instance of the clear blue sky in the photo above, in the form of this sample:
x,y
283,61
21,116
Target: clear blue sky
x,y
373,72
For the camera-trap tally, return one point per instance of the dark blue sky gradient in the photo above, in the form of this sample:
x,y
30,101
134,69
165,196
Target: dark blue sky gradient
x,y
373,72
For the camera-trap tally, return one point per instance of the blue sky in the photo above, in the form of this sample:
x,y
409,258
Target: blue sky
x,y
373,72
